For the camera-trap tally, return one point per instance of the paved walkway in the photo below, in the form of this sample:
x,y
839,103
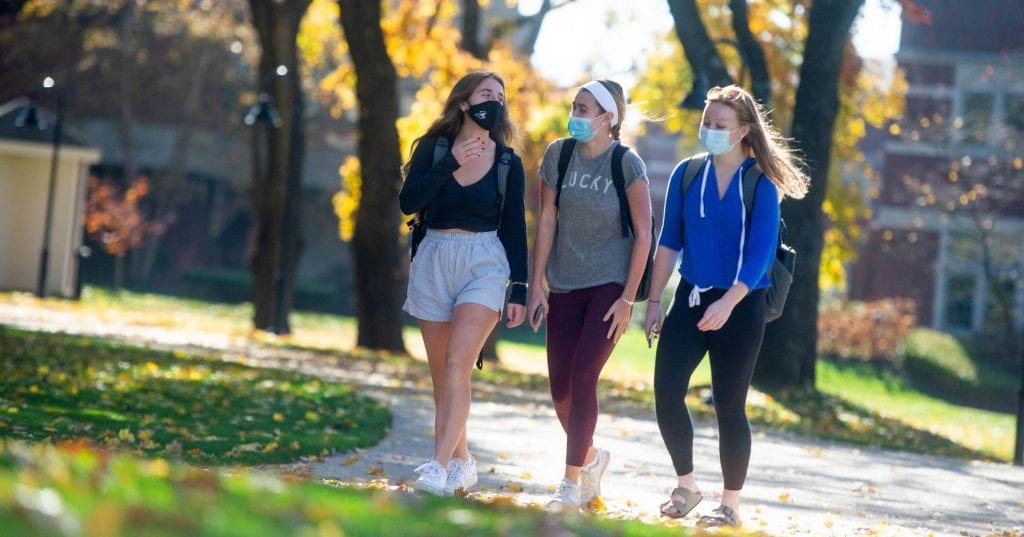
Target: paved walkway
x,y
796,486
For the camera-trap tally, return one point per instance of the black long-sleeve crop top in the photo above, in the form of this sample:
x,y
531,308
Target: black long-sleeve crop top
x,y
431,187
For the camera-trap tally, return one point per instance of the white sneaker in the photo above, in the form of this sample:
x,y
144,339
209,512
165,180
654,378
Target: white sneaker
x,y
590,477
461,475
566,496
432,478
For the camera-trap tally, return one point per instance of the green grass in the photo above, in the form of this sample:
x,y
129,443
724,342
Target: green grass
x,y
47,491
888,395
57,387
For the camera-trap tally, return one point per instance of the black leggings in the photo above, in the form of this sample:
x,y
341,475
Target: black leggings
x,y
733,350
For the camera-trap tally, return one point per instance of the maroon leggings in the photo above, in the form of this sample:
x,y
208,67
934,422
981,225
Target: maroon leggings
x,y
577,351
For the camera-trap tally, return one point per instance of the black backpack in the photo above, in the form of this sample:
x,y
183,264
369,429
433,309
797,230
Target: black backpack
x,y
417,223
619,180
781,271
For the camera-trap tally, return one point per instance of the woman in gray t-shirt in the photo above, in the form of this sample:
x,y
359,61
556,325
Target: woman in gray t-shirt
x,y
591,267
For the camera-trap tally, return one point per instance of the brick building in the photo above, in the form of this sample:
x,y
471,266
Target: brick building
x,y
952,175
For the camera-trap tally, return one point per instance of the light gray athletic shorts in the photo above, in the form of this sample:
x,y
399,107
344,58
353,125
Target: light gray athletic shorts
x,y
456,268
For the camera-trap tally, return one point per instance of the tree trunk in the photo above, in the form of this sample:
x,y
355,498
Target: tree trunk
x,y
175,171
277,166
700,51
760,80
119,263
126,19
789,352
490,348
529,42
470,41
9,10
378,253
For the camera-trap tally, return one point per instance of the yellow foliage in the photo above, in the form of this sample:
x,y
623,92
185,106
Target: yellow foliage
x,y
346,202
422,41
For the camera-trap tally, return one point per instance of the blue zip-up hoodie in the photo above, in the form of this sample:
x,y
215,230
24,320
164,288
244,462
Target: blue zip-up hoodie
x,y
714,230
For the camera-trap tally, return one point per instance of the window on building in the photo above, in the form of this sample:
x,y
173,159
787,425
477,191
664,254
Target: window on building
x,y
1015,113
926,118
977,117
994,309
959,306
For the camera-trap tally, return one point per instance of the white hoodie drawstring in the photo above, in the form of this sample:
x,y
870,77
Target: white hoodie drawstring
x,y
694,298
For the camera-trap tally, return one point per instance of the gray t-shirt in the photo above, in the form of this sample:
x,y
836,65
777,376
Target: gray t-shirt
x,y
589,249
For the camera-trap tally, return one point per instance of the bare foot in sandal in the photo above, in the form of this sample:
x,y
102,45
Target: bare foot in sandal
x,y
681,502
721,516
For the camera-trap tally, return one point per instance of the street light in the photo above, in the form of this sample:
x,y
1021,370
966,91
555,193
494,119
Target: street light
x,y
263,116
701,84
30,117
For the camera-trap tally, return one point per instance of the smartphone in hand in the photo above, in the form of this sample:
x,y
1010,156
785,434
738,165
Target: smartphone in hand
x,y
538,317
652,334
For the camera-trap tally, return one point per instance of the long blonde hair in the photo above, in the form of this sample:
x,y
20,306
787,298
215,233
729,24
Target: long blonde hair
x,y
773,154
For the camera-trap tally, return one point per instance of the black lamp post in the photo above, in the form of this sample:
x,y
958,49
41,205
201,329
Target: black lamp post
x,y
31,118
263,117
698,93
1018,449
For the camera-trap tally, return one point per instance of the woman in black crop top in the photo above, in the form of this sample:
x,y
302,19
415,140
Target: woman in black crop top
x,y
467,187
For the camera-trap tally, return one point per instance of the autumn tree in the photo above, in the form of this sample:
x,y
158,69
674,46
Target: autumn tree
x,y
114,219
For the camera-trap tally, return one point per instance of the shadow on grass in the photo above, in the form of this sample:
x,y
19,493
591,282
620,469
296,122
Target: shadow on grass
x,y
807,413
57,387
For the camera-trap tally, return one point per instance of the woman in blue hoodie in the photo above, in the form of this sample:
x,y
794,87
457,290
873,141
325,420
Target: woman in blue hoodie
x,y
719,308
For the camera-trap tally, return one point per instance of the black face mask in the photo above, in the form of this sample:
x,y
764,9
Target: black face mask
x,y
487,114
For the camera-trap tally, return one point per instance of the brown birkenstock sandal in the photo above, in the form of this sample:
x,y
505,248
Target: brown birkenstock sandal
x,y
720,516
690,500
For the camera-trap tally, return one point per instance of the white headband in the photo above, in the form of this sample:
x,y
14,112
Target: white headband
x,y
604,98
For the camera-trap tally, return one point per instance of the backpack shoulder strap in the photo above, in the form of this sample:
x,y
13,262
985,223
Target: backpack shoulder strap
x,y
693,167
750,177
441,144
619,180
564,156
504,163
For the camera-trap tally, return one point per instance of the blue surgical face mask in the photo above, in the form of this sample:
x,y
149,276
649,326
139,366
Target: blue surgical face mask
x,y
717,140
581,128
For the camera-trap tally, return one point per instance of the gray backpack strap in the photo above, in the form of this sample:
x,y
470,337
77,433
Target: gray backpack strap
x,y
690,171
440,148
564,156
504,164
693,167
750,177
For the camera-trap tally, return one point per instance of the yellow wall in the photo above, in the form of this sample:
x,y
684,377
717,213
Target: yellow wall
x,y
24,179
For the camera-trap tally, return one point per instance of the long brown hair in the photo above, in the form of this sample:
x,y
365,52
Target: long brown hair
x,y
771,150
619,96
452,116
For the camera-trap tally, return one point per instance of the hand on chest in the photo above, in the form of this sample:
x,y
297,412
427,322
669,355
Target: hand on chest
x,y
476,169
